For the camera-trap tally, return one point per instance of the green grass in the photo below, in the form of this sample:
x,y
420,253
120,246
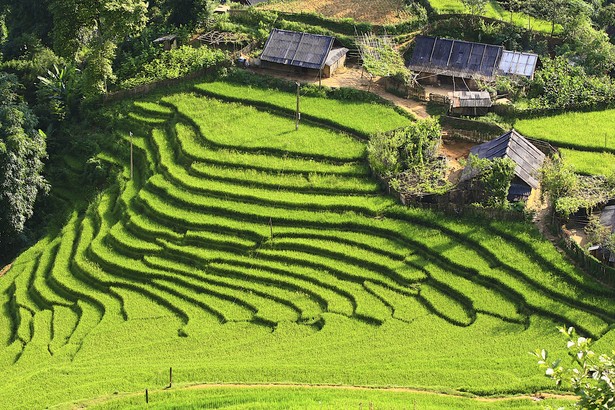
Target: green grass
x,y
585,139
363,118
590,163
273,397
586,131
495,11
237,254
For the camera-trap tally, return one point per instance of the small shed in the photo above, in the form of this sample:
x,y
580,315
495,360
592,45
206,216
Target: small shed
x,y
169,41
527,158
469,102
305,52
335,60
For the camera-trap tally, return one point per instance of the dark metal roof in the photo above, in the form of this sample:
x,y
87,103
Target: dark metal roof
x,y
514,146
297,49
169,37
607,217
471,99
455,57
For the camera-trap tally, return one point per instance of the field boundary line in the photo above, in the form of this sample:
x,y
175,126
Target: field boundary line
x,y
203,386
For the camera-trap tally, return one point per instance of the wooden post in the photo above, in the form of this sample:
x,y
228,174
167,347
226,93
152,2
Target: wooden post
x,y
131,160
170,377
297,114
320,78
146,396
271,227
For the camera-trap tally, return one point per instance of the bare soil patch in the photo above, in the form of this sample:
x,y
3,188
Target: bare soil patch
x,y
371,11
4,270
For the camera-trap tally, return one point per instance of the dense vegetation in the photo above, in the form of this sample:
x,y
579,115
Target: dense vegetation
x,y
234,257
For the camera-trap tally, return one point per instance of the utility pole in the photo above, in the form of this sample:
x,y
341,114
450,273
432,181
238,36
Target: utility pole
x,y
297,114
131,162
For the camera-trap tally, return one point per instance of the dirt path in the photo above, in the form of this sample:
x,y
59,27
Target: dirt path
x,y
5,270
537,397
351,77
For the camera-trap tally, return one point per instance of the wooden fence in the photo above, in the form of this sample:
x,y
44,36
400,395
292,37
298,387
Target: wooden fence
x,y
587,262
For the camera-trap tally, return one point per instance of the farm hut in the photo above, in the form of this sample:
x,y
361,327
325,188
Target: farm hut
x,y
527,158
469,102
291,50
169,41
442,60
335,60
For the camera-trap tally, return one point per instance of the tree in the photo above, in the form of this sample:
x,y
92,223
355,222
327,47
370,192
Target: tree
x,y
22,150
568,13
495,175
95,27
591,376
475,7
190,13
410,147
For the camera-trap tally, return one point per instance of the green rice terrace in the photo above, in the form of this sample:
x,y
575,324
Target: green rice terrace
x,y
245,252
585,139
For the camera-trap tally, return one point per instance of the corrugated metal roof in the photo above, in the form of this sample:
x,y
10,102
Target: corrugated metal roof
x,y
518,63
335,54
297,49
169,37
455,57
527,157
470,99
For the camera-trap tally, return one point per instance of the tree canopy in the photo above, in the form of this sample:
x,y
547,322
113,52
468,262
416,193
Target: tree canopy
x,y
22,150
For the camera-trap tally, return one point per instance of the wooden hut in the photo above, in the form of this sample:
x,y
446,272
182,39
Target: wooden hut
x,y
527,158
472,103
335,60
303,52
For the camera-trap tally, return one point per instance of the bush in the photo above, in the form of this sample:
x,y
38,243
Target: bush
x,y
176,63
406,148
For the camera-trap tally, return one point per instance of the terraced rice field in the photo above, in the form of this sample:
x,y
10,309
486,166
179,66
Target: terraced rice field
x,y
586,138
243,251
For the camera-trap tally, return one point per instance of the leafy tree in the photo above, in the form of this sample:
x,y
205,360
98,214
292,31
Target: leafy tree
x,y
22,149
591,376
191,13
56,93
495,175
407,148
94,27
475,7
560,84
25,20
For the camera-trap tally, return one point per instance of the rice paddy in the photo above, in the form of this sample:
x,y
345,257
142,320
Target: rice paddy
x,y
586,139
243,251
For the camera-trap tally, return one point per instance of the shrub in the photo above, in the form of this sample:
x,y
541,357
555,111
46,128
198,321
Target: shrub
x,y
176,63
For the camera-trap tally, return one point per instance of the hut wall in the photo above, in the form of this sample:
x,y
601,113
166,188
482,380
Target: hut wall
x,y
329,70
